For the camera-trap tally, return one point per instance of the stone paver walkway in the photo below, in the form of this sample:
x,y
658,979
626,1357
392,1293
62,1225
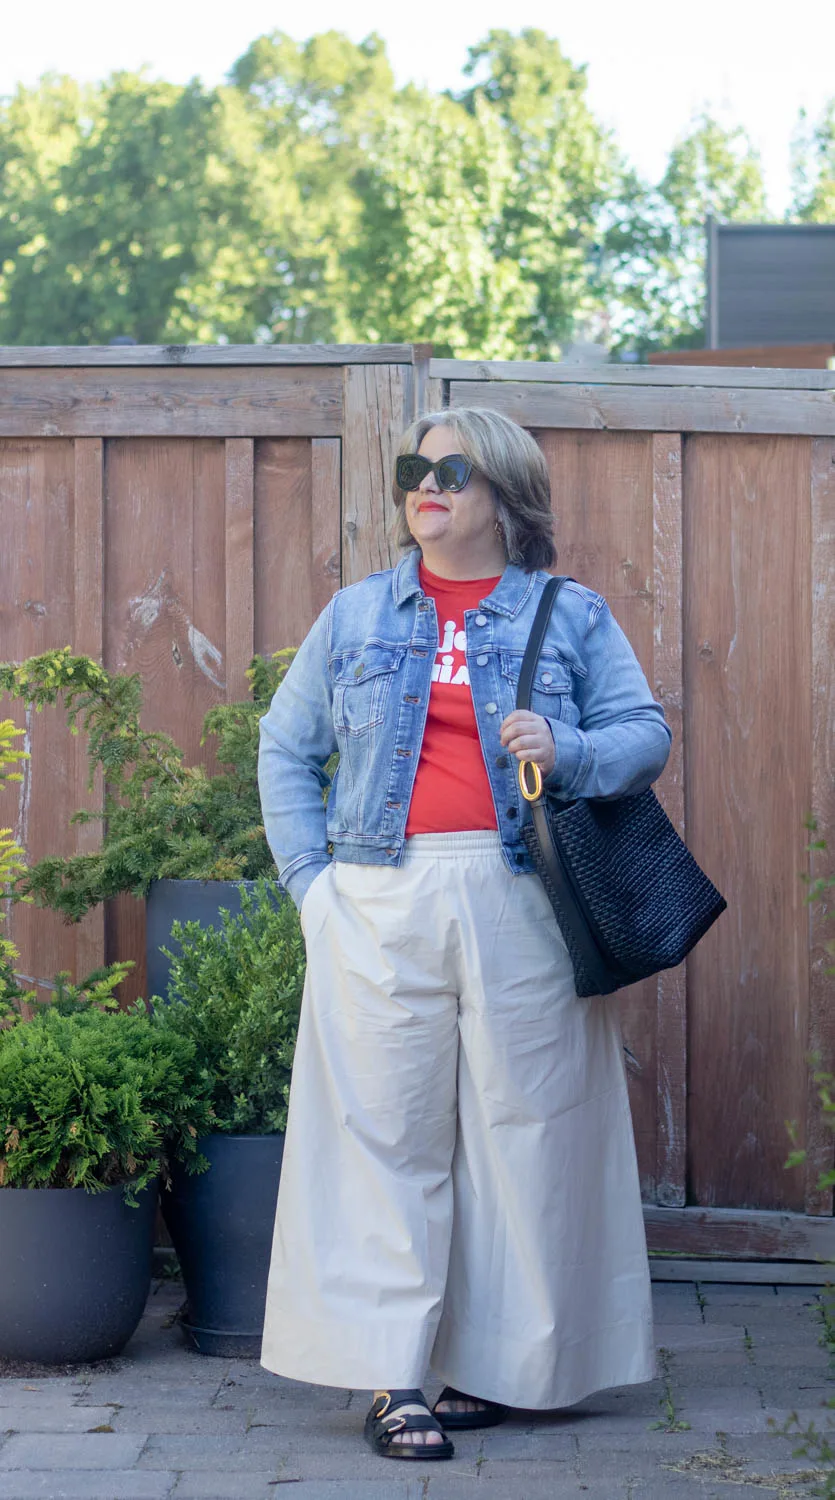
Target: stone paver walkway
x,y
165,1423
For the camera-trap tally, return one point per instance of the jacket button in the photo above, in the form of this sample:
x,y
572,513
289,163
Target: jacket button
x,y
512,812
482,660
491,708
547,677
358,671
502,761
520,859
481,619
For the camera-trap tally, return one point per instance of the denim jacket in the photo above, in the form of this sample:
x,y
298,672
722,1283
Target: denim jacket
x,y
360,684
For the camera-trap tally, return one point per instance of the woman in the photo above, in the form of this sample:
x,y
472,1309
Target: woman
x,y
459,1186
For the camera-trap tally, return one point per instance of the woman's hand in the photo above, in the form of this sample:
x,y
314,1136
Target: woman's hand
x,y
528,736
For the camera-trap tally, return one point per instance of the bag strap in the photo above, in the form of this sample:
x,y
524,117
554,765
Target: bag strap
x,y
572,914
536,638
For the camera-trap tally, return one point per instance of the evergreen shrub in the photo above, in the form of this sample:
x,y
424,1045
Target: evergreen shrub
x,y
235,994
161,819
93,1100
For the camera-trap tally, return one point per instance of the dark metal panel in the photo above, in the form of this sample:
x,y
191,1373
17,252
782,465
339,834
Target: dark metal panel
x,y
773,284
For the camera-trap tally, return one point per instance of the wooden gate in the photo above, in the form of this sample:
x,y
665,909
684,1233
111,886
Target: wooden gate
x,y
171,510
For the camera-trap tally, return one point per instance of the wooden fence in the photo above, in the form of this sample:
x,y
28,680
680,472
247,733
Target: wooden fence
x,y
170,511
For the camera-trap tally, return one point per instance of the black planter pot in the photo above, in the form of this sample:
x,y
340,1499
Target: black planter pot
x,y
221,1223
76,1272
171,901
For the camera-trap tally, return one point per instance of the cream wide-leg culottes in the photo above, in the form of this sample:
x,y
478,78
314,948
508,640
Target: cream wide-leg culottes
x,y
459,1187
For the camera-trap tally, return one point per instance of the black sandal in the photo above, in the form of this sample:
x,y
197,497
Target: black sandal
x,y
382,1426
490,1415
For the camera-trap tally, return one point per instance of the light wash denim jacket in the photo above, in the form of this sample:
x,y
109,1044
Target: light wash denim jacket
x,y
360,684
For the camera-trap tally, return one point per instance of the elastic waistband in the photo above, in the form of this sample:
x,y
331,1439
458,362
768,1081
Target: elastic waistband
x,y
450,845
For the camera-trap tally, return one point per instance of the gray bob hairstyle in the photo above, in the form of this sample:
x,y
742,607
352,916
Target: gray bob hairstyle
x,y
511,461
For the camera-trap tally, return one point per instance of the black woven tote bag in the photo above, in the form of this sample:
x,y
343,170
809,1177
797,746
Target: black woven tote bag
x,y
627,893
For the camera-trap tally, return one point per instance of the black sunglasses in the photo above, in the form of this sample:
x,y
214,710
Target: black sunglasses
x,y
451,472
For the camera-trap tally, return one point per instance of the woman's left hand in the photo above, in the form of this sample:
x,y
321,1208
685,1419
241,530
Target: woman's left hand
x,y
528,736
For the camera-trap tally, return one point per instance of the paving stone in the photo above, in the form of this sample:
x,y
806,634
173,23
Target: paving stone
x,y
241,1486
744,1404
351,1489
127,1390
256,1451
744,1293
62,1415
538,1441
182,1420
531,1481
34,1392
86,1484
705,1421
799,1321
823,1417
95,1450
640,1454
680,1338
671,1487
675,1302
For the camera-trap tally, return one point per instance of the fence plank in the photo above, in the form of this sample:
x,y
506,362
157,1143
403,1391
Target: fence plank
x,y
165,581
37,614
420,379
172,403
240,565
378,405
819,1138
671,1034
747,653
177,355
602,495
715,376
289,584
88,525
326,505
657,409
436,395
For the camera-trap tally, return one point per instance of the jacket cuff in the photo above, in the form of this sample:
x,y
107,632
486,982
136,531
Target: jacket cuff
x,y
574,757
302,876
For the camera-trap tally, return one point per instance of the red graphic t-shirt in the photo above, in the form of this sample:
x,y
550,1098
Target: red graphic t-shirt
x,y
451,791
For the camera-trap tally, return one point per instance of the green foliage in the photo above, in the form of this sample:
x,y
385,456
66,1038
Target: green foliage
x,y
813,168
161,818
235,993
656,242
309,199
93,1100
479,211
116,221
66,998
11,853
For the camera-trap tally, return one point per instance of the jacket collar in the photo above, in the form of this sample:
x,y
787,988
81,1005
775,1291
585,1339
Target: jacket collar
x,y
507,598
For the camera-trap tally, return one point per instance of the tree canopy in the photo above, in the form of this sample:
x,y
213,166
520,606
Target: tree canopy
x,y
309,199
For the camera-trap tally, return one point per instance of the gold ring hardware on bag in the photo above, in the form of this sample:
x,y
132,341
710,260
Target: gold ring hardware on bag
x,y
530,796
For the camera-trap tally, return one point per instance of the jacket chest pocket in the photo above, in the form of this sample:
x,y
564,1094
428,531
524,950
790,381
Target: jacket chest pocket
x,y
551,687
362,683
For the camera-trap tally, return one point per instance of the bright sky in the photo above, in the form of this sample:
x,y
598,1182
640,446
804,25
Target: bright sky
x,y
651,63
